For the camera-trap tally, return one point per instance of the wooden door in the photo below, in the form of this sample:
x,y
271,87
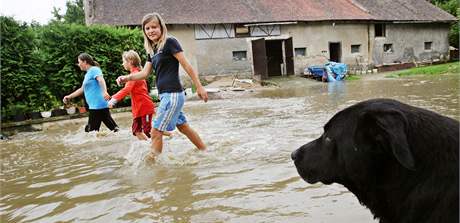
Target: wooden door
x,y
289,56
259,58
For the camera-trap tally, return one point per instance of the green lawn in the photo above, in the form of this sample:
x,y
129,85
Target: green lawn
x,y
452,67
352,77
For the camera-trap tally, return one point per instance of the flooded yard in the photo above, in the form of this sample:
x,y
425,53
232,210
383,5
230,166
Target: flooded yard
x,y
62,174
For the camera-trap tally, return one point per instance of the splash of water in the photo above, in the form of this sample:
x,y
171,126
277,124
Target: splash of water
x,y
136,155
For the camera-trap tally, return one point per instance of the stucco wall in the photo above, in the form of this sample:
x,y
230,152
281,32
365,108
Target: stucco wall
x,y
214,56
316,37
184,33
408,43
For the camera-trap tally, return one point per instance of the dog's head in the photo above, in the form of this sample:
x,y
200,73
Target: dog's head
x,y
356,144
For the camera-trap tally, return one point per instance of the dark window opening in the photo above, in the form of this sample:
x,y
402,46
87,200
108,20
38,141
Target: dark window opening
x,y
380,30
428,45
335,51
355,48
388,48
302,51
239,55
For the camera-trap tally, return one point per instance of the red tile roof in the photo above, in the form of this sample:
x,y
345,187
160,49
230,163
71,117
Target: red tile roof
x,y
125,12
129,12
405,10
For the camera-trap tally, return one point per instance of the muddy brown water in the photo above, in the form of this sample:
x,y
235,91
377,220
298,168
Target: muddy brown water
x,y
62,174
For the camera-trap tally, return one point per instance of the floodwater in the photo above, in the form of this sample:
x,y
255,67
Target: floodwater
x,y
62,174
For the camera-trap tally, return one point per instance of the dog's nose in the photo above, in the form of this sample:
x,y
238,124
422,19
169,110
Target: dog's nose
x,y
295,155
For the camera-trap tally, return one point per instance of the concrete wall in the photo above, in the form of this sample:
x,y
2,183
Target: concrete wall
x,y
186,37
408,43
316,37
214,56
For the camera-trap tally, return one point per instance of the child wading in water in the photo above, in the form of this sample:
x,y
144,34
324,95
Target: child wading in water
x,y
142,106
165,54
95,91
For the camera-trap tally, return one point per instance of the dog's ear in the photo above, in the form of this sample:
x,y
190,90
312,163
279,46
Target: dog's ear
x,y
387,127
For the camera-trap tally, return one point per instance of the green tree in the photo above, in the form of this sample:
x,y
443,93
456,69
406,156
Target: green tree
x,y
75,13
23,86
60,44
452,7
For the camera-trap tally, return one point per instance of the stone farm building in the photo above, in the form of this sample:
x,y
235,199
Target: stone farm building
x,y
272,37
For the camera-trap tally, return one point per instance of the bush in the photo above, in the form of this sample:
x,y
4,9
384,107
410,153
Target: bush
x,y
38,63
60,45
22,81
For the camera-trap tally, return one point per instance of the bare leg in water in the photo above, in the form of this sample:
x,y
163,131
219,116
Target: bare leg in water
x,y
157,140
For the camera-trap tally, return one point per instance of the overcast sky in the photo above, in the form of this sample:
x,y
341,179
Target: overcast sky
x,y
28,10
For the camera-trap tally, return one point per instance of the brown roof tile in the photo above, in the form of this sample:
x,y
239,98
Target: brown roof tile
x,y
125,12
405,10
129,12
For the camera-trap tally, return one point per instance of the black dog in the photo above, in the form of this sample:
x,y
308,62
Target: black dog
x,y
400,161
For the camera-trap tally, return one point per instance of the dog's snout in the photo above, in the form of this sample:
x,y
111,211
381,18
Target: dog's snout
x,y
296,155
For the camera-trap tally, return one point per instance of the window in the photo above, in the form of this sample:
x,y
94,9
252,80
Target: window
x,y
428,45
241,30
388,48
380,30
239,55
355,48
300,52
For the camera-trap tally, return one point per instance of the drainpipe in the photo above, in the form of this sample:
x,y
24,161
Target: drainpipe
x,y
283,65
369,47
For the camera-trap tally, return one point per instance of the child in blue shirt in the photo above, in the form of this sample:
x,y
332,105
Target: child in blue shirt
x,y
95,91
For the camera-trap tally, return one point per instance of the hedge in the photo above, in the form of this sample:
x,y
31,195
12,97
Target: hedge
x,y
38,63
21,77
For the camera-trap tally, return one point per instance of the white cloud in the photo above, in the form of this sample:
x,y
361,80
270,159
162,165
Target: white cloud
x,y
28,10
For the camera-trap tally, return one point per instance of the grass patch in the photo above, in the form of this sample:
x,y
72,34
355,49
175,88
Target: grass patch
x,y
352,77
452,67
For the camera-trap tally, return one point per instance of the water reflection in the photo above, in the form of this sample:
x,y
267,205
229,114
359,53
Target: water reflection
x,y
63,174
336,92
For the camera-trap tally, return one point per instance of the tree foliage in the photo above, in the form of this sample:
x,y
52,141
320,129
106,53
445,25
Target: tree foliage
x,y
452,7
75,13
38,62
22,81
60,44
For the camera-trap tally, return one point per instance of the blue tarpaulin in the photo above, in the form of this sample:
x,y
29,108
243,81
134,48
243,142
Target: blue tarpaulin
x,y
335,71
317,71
331,71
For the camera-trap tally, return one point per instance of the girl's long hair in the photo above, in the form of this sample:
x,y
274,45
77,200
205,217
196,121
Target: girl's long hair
x,y
149,45
88,59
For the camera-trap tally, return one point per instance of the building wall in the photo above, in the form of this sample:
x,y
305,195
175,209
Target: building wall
x,y
215,57
184,33
316,37
408,42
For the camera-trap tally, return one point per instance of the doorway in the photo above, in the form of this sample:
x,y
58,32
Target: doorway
x,y
272,57
335,51
274,53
